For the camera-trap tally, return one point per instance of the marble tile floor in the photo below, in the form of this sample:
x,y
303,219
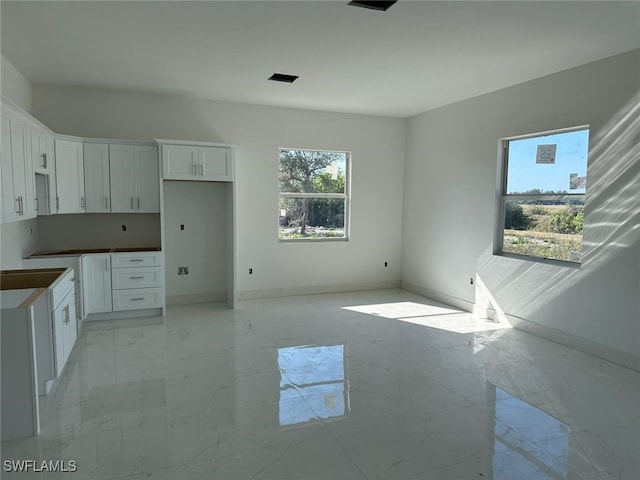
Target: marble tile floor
x,y
356,386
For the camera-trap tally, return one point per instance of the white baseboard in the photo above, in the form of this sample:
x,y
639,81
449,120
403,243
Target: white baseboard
x,y
196,298
438,296
577,343
147,312
315,290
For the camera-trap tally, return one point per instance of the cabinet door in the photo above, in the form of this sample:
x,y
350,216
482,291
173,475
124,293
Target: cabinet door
x,y
147,179
122,178
41,150
18,183
69,177
10,208
96,283
215,163
96,177
70,331
179,162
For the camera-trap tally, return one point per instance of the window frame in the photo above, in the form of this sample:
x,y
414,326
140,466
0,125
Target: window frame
x,y
502,197
324,196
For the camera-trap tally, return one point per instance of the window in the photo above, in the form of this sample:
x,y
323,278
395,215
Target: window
x,y
543,186
314,194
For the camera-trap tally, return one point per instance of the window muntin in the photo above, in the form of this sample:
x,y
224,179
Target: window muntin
x,y
542,195
314,194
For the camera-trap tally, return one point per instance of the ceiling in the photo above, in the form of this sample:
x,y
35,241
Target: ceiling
x,y
417,56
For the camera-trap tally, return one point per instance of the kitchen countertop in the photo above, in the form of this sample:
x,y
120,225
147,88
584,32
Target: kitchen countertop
x,y
83,251
34,282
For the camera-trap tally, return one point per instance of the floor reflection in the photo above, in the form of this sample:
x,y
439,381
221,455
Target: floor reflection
x,y
312,376
528,441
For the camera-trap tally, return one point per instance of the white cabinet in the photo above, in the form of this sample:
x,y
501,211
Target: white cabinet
x,y
190,162
64,330
137,280
69,176
96,177
16,169
134,178
42,150
96,283
43,161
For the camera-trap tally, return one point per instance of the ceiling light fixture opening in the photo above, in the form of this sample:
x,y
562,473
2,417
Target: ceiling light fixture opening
x,y
373,5
282,77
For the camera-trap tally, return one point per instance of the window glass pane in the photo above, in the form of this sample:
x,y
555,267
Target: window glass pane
x,y
309,171
548,164
311,218
544,230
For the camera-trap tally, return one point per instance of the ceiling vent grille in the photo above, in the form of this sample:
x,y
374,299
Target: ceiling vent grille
x,y
373,5
281,77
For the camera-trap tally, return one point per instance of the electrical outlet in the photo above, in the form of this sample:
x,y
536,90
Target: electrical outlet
x,y
183,270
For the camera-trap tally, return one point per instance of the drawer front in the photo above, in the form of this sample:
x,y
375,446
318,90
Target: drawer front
x,y
140,277
137,299
137,259
62,287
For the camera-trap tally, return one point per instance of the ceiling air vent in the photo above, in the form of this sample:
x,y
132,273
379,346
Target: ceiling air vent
x,y
281,77
373,5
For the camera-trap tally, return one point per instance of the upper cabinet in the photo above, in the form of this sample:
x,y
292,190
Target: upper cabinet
x,y
70,195
196,162
134,178
96,177
42,150
18,182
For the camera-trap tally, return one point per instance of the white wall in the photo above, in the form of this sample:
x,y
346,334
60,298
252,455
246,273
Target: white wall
x,y
17,239
14,85
376,143
449,197
98,230
201,246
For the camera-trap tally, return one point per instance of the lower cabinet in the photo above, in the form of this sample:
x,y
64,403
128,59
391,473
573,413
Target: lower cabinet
x,y
122,281
64,330
96,283
136,280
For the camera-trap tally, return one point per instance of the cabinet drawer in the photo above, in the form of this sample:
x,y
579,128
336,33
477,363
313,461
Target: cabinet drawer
x,y
140,277
62,287
137,299
137,259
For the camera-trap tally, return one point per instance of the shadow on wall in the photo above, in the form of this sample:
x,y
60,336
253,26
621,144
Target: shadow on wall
x,y
612,226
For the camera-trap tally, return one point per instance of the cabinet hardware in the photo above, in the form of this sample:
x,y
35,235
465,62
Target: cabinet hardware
x,y
106,266
195,167
136,278
136,299
66,314
136,260
82,207
44,160
202,169
17,205
138,203
57,204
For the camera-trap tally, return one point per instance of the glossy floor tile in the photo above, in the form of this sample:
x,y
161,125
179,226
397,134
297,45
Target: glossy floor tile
x,y
368,385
